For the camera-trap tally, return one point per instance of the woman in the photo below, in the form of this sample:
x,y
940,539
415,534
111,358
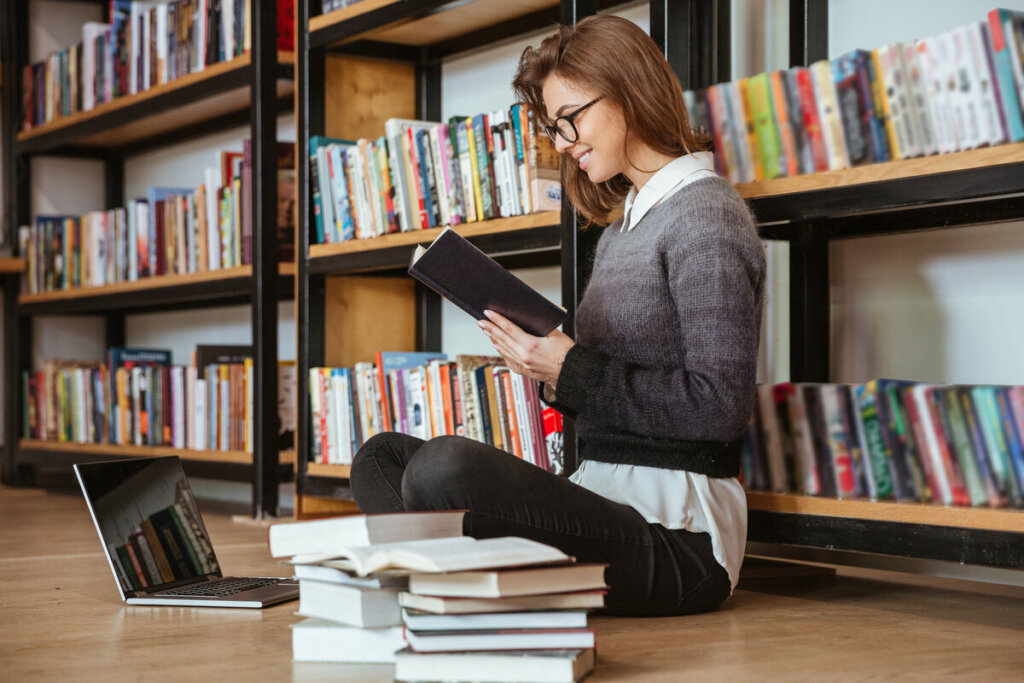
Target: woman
x,y
661,379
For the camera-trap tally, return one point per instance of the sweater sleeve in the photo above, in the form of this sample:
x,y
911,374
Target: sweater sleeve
x,y
716,281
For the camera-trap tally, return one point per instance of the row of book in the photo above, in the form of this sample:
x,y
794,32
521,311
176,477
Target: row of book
x,y
889,439
423,394
422,174
331,5
167,545
959,90
170,231
138,397
411,590
146,44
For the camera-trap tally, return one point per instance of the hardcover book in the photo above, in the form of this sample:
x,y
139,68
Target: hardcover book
x,y
475,282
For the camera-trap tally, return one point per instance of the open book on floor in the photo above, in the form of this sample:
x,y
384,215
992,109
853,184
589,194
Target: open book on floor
x,y
324,536
460,553
473,281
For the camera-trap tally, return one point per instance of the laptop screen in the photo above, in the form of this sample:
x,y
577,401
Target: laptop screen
x,y
148,521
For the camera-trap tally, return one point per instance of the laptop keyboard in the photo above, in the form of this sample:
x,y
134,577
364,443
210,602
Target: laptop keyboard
x,y
228,585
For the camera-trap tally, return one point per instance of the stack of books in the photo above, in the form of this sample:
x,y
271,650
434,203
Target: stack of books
x,y
407,589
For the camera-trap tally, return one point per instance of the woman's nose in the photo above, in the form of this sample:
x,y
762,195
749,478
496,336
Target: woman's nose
x,y
562,145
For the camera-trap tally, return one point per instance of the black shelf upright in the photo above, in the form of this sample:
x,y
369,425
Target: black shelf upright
x,y
261,291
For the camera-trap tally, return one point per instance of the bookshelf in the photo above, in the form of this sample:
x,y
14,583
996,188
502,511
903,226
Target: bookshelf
x,y
952,190
249,90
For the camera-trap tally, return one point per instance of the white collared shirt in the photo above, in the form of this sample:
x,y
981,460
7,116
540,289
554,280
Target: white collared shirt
x,y
669,179
676,499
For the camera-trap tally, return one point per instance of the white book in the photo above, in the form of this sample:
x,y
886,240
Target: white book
x,y
494,120
936,97
332,537
515,196
426,621
328,157
434,555
212,217
437,423
954,46
178,401
829,115
523,418
161,44
367,162
392,131
350,605
514,666
340,412
986,87
315,640
917,96
191,375
437,167
465,641
419,420
510,581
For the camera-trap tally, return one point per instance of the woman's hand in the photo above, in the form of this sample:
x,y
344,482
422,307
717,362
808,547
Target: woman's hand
x,y
539,358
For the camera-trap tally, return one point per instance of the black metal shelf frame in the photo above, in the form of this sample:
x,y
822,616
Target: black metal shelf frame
x,y
261,291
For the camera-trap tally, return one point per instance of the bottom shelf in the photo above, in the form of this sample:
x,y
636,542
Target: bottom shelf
x,y
978,536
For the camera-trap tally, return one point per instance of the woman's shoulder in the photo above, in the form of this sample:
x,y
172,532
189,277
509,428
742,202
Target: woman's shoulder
x,y
710,206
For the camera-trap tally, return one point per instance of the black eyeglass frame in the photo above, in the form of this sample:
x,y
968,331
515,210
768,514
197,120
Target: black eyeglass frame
x,y
569,118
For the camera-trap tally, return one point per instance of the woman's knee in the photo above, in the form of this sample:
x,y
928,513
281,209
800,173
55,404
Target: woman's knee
x,y
440,474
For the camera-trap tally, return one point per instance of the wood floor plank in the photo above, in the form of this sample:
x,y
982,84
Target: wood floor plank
x,y
61,619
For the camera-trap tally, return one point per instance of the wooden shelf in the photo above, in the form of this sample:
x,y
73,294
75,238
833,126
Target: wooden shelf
x,y
406,24
159,282
991,519
214,92
316,469
12,265
496,226
238,457
886,171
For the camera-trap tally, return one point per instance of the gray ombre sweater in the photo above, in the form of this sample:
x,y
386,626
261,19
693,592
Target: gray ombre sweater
x,y
664,369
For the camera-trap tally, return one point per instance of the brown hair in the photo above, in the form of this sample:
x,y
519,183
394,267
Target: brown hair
x,y
616,59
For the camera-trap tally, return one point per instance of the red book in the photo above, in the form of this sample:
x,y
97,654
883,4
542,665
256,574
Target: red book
x,y
811,122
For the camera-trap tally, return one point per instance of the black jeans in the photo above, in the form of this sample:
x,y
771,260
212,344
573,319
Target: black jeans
x,y
652,571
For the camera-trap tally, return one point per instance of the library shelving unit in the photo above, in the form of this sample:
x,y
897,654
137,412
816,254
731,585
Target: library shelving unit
x,y
960,189
355,68
248,90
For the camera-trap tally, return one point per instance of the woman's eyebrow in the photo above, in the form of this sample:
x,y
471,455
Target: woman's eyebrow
x,y
558,113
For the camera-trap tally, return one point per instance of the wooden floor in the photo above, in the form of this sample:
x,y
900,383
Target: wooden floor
x,y
61,620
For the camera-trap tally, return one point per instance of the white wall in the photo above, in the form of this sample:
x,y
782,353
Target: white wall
x,y
941,305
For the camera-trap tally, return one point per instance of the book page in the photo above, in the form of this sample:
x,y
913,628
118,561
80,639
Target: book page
x,y
444,555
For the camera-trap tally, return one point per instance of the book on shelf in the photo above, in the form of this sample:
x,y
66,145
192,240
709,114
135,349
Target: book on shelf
x,y
365,607
960,89
508,582
582,600
433,555
480,284
324,536
895,439
536,666
317,640
145,45
426,395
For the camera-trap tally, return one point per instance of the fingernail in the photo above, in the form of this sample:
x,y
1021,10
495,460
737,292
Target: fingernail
x,y
488,314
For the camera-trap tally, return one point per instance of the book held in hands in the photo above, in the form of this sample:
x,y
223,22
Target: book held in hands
x,y
473,281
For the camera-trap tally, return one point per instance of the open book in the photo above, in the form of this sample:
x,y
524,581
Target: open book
x,y
475,282
434,555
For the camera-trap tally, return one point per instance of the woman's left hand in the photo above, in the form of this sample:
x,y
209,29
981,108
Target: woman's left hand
x,y
539,358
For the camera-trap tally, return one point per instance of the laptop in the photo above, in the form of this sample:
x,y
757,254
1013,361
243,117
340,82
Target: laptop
x,y
156,542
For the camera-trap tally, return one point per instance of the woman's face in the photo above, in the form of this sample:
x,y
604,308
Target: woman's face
x,y
600,148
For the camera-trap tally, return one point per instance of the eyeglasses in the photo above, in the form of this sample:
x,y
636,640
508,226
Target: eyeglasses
x,y
565,126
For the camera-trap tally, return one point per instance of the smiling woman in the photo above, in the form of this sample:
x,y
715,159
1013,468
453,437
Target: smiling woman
x,y
660,379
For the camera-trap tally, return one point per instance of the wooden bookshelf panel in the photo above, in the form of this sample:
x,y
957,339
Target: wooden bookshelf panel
x,y
412,238
887,171
208,286
237,457
363,315
216,91
990,519
316,469
361,94
412,25
12,265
